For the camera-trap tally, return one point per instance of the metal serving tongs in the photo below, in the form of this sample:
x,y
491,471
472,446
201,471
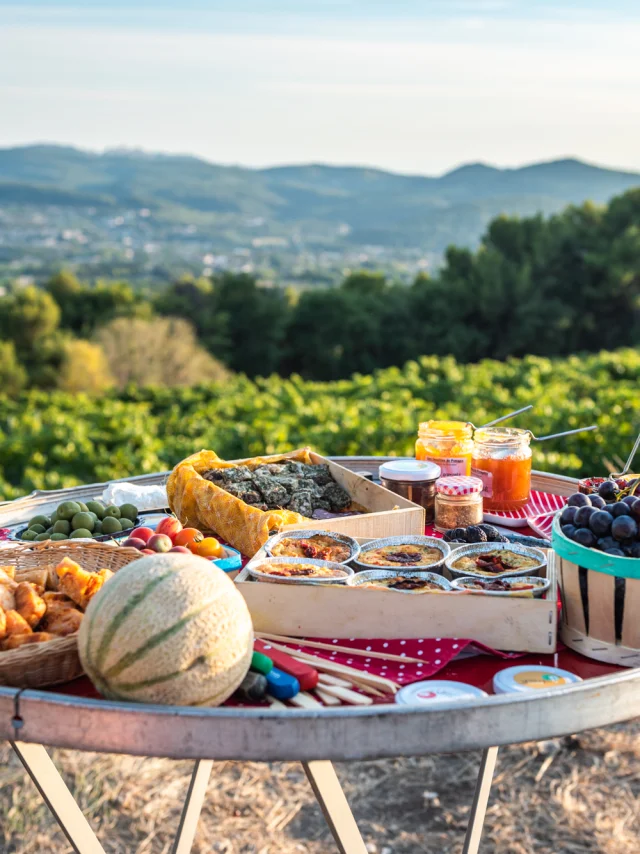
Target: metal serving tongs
x,y
565,433
503,417
627,465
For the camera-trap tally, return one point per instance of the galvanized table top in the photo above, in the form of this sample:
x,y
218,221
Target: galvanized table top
x,y
330,733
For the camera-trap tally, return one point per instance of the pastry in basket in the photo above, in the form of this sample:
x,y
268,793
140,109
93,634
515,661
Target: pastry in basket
x,y
410,554
62,617
495,562
77,583
405,583
29,602
318,546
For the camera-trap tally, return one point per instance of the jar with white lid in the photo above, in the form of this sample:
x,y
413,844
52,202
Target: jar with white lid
x,y
458,502
414,480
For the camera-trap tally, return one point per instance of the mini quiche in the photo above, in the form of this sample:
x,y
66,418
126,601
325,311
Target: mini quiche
x,y
406,584
499,585
318,546
411,554
301,570
495,562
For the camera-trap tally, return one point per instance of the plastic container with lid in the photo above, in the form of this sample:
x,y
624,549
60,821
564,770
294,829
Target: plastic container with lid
x,y
412,479
525,678
458,502
437,691
449,444
502,460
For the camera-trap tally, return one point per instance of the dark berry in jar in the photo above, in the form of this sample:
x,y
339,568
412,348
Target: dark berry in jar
x,y
491,532
569,531
600,523
475,534
568,515
624,527
583,514
620,509
584,537
608,490
597,501
616,552
579,500
606,543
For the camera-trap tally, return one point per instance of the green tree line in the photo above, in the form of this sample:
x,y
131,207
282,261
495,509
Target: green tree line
x,y
545,286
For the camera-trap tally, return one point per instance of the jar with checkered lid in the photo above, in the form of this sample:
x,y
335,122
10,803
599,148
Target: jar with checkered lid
x,y
458,502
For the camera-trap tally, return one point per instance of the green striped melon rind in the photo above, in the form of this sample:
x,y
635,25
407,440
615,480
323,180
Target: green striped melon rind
x,y
167,629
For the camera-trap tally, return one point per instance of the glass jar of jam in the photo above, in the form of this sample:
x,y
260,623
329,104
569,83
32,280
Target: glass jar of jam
x,y
458,502
412,479
502,460
448,444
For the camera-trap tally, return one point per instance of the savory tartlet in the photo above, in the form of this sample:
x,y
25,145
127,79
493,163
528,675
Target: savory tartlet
x,y
406,584
319,546
302,570
409,555
500,585
495,562
293,570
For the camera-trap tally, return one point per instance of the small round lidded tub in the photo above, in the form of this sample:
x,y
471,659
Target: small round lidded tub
x,y
534,560
535,587
390,549
281,570
438,691
414,480
369,577
339,539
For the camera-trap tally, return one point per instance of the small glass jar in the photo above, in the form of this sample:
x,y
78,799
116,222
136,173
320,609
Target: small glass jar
x,y
412,479
448,444
502,461
458,502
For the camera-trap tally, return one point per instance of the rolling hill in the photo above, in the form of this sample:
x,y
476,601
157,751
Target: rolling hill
x,y
316,201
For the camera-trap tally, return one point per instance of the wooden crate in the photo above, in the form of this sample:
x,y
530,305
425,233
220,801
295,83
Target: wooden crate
x,y
523,625
389,514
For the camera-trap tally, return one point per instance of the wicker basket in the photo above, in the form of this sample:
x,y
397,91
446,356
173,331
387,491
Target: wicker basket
x,y
600,602
56,661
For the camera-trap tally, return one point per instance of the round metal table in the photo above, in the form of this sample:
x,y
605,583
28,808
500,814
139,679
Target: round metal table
x,y
31,719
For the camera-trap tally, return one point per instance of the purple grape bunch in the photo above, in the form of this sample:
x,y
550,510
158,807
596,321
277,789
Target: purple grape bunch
x,y
604,521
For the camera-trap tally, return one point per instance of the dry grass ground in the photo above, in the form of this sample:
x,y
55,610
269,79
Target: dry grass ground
x,y
572,796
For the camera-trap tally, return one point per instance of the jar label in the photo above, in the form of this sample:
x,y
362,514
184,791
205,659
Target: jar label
x,y
450,465
487,481
539,679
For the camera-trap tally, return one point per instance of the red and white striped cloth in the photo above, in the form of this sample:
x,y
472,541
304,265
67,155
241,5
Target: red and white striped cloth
x,y
537,514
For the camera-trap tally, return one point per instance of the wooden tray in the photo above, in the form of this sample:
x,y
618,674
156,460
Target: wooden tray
x,y
522,625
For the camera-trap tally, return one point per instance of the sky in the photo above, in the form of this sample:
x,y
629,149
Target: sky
x,y
415,86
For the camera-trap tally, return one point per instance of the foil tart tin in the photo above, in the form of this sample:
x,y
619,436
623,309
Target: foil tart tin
x,y
254,570
369,575
433,691
403,540
354,548
474,549
541,586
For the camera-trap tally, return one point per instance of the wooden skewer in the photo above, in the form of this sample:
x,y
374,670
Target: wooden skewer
x,y
335,648
328,699
342,669
327,679
305,701
275,704
348,696
362,684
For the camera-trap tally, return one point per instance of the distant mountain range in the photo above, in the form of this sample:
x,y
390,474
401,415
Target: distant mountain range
x,y
358,206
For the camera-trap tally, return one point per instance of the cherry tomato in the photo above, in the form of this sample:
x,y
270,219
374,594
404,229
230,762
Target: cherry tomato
x,y
188,537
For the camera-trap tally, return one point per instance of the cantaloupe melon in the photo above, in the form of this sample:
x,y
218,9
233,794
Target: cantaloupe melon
x,y
172,629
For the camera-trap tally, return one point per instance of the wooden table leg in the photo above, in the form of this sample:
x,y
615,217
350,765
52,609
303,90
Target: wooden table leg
x,y
58,798
335,807
480,800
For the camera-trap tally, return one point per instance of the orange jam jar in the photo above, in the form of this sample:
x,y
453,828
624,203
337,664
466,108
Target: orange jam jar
x,y
448,444
502,461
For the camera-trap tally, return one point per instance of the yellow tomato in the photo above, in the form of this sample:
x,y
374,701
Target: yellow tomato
x,y
209,547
